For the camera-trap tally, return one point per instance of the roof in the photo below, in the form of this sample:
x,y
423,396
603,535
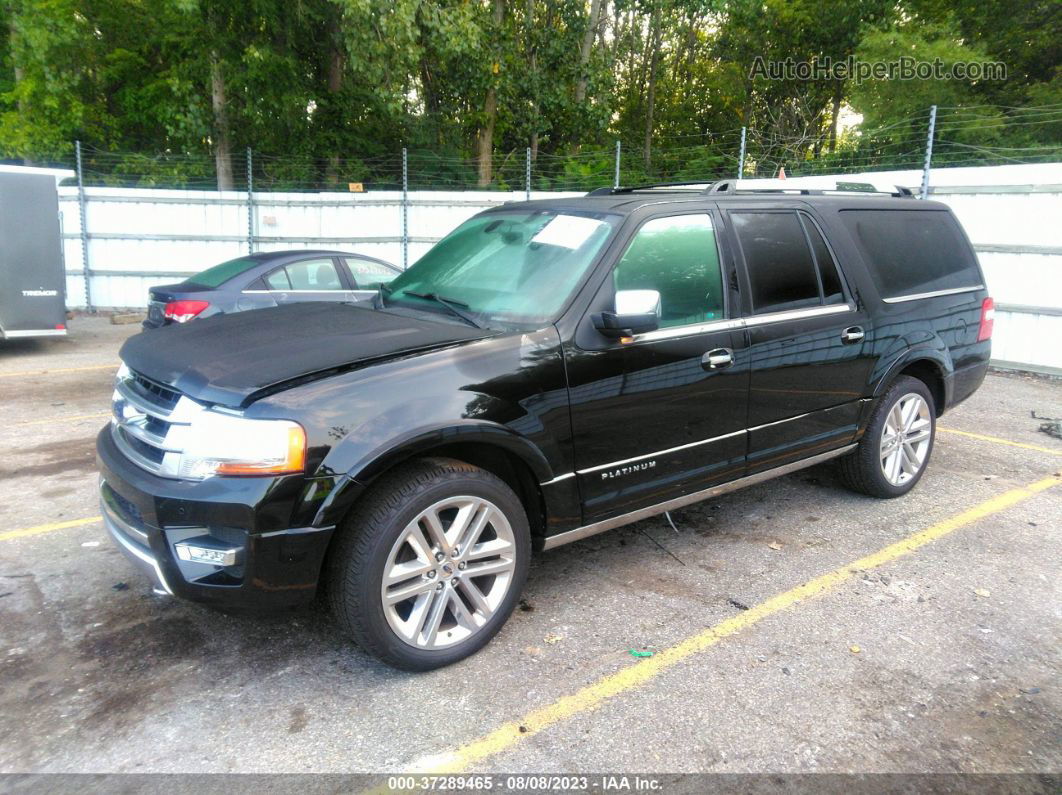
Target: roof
x,y
628,199
298,253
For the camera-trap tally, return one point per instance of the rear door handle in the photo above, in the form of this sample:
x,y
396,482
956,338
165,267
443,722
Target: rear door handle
x,y
852,334
717,359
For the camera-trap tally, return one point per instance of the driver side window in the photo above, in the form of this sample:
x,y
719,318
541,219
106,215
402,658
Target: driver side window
x,y
676,256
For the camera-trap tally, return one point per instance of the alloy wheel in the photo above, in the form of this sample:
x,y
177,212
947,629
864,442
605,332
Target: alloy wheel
x,y
448,572
905,439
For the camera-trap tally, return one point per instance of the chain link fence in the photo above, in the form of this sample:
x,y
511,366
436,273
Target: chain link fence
x,y
934,138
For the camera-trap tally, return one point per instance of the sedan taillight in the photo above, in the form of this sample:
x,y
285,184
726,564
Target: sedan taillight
x,y
180,311
988,318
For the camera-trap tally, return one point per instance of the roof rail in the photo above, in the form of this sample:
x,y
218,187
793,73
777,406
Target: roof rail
x,y
729,186
648,186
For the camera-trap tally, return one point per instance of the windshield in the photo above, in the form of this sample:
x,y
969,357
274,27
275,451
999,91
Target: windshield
x,y
219,274
505,268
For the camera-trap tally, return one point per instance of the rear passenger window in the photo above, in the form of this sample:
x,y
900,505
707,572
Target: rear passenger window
x,y
781,269
832,292
677,257
913,251
314,274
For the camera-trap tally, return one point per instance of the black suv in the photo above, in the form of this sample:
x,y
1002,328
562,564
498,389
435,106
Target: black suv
x,y
550,370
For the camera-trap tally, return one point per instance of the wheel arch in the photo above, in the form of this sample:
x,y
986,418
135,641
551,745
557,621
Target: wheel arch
x,y
930,366
494,448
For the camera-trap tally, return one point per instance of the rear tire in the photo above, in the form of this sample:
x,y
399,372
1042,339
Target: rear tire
x,y
453,543
895,449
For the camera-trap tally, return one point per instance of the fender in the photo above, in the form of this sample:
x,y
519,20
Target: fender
x,y
369,466
941,359
931,349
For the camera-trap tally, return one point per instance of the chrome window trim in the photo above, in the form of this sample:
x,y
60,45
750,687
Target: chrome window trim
x,y
671,332
658,452
741,322
899,299
586,531
328,292
796,314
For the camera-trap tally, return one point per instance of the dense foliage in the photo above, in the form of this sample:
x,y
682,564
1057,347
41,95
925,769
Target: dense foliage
x,y
171,92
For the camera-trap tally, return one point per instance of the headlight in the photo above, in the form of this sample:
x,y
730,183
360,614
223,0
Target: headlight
x,y
223,444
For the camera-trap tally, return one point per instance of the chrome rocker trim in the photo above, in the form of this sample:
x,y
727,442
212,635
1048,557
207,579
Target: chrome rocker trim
x,y
43,332
580,533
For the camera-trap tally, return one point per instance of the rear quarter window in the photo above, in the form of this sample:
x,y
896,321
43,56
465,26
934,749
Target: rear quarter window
x,y
909,252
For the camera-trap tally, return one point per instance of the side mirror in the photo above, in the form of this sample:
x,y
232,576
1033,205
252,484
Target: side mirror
x,y
637,311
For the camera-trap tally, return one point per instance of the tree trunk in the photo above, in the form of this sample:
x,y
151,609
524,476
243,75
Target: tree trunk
x,y
835,117
532,58
222,144
336,64
650,102
584,51
485,144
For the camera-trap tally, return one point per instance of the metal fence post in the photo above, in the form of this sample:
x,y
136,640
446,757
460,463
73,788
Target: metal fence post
x,y
527,176
405,208
84,229
616,181
741,157
929,151
250,203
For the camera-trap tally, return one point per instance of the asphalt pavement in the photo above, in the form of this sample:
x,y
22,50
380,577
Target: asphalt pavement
x,y
790,627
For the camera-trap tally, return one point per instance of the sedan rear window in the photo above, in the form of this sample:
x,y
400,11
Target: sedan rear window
x,y
219,274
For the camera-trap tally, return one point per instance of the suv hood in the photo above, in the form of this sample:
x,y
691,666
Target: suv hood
x,y
228,358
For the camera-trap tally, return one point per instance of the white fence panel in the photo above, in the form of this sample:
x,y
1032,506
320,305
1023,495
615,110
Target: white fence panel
x,y
142,237
1018,238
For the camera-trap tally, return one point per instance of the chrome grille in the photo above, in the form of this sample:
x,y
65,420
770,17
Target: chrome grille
x,y
163,396
150,422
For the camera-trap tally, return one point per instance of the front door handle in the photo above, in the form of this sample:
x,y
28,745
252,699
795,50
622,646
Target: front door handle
x,y
717,358
852,334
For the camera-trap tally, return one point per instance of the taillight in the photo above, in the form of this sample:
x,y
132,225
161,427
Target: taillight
x,y
988,318
180,311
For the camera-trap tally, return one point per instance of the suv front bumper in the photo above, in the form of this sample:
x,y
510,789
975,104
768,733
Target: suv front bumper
x,y
150,518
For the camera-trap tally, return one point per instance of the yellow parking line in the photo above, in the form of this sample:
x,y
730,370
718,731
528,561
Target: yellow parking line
x,y
997,440
508,735
24,373
72,418
47,528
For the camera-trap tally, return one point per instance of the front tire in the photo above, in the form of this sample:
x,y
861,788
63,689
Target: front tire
x,y
895,449
430,564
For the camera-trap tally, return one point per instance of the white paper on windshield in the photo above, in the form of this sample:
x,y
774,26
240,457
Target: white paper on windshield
x,y
567,231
